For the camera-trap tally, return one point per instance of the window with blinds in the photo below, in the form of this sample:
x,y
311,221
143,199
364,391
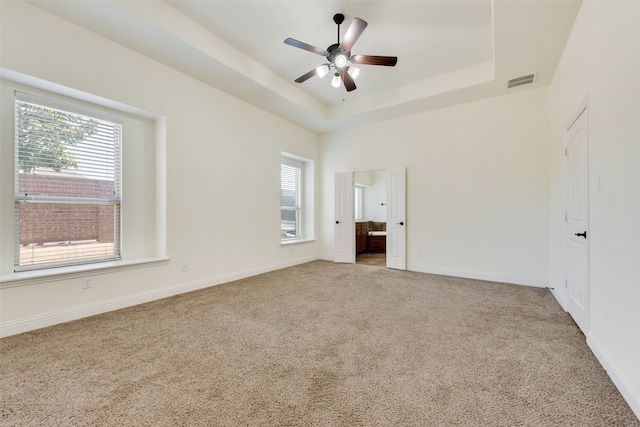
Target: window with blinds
x,y
290,198
67,184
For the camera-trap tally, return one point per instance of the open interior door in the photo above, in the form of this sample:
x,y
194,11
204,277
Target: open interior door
x,y
396,218
345,239
577,222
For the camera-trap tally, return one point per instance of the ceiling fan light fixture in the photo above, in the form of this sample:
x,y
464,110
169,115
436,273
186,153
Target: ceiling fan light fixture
x,y
322,71
340,61
339,56
335,82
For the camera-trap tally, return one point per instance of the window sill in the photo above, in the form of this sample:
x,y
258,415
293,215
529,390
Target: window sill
x,y
49,275
295,241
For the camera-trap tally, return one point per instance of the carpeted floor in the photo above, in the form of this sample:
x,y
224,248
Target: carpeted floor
x,y
316,344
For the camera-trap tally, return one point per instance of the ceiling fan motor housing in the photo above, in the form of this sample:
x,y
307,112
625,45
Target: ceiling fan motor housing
x,y
334,52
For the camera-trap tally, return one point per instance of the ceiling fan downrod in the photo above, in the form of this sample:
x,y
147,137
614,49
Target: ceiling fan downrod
x,y
338,18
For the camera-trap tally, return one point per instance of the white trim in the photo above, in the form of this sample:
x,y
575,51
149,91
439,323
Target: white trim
x,y
31,277
558,296
584,105
618,380
61,316
288,160
294,241
327,257
75,94
68,106
491,277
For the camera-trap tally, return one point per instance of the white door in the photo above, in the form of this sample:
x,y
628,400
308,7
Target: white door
x,y
396,218
345,239
577,221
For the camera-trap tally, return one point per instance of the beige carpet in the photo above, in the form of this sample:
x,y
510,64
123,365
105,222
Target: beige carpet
x,y
316,344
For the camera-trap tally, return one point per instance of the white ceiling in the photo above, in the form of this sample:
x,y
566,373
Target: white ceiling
x,y
449,52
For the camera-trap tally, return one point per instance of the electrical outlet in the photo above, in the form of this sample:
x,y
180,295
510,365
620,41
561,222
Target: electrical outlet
x,y
86,283
184,267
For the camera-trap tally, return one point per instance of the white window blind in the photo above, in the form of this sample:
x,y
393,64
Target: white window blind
x,y
67,184
290,198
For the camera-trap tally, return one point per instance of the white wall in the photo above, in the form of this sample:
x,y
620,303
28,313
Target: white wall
x,y
477,185
601,61
222,161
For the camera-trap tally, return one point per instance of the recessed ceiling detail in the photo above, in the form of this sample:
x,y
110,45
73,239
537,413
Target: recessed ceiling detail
x,y
451,52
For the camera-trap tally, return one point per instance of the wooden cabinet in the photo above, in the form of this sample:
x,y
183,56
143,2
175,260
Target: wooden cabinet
x,y
361,237
377,244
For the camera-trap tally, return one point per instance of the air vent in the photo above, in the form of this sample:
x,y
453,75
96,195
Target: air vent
x,y
523,80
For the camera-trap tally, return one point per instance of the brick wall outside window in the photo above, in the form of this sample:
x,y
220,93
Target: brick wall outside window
x,y
62,222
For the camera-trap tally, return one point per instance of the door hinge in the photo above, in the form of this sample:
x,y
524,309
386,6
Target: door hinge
x,y
566,151
565,217
565,283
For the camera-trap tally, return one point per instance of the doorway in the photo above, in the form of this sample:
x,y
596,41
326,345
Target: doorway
x,y
394,223
370,213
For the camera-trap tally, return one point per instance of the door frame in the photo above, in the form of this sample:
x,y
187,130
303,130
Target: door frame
x,y
341,257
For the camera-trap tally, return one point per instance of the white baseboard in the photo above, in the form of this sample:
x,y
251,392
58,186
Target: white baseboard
x,y
516,280
468,274
627,393
326,257
559,298
53,318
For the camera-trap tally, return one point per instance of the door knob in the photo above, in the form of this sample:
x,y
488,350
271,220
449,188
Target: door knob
x,y
400,223
583,234
337,222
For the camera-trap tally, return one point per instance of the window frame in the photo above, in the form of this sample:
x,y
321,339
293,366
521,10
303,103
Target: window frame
x,y
144,171
307,198
298,208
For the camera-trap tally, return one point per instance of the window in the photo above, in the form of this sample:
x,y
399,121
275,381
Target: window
x,y
290,198
297,199
358,203
67,184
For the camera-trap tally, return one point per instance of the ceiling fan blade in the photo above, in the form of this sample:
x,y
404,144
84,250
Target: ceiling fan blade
x,y
301,45
349,84
306,76
389,61
353,34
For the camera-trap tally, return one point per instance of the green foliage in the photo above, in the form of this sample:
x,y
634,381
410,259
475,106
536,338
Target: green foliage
x,y
45,134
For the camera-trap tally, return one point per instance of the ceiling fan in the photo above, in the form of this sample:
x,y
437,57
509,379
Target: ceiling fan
x,y
339,56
